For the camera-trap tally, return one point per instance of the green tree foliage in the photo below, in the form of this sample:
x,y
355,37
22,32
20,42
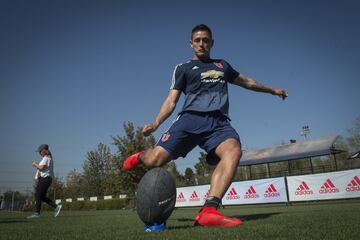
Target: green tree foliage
x,y
8,196
354,136
111,184
342,162
203,170
189,176
57,189
179,179
133,142
74,185
12,200
97,167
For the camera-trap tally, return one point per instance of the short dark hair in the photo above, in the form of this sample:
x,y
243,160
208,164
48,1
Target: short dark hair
x,y
201,27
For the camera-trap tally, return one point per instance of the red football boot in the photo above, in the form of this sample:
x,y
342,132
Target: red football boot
x,y
209,216
132,161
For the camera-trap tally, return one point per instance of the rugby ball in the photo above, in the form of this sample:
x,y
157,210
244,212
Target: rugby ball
x,y
155,196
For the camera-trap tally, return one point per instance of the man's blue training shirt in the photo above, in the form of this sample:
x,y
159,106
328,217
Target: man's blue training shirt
x,y
204,84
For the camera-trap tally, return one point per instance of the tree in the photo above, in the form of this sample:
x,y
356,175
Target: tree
x,y
112,184
8,196
12,200
133,141
178,178
189,176
74,185
57,189
96,167
203,170
354,136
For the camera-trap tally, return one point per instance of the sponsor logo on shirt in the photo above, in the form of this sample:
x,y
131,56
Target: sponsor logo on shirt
x,y
211,76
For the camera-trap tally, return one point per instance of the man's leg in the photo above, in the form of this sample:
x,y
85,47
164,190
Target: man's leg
x,y
178,140
154,157
229,153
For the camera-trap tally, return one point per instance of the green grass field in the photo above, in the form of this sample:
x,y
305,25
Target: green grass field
x,y
325,220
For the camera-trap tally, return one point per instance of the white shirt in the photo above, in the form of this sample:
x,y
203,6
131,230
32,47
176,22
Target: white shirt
x,y
48,170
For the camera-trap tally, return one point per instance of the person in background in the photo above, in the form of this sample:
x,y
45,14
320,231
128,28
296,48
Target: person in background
x,y
44,175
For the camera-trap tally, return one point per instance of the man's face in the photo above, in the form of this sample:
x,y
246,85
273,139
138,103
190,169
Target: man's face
x,y
202,44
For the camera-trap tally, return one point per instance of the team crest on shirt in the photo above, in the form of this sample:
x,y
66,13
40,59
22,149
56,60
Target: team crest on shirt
x,y
165,137
219,65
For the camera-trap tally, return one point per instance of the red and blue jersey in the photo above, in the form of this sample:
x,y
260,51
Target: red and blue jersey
x,y
204,84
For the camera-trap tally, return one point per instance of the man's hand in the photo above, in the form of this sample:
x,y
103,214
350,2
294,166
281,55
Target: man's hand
x,y
281,93
148,129
166,109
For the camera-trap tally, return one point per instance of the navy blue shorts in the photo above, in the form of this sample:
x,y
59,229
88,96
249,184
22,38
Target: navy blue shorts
x,y
206,130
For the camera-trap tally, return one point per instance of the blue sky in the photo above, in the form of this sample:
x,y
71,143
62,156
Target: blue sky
x,y
72,72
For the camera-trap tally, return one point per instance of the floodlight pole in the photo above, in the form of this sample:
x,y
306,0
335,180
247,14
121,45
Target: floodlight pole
x,y
305,131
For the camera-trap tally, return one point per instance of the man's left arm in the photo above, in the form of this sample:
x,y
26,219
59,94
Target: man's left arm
x,y
251,84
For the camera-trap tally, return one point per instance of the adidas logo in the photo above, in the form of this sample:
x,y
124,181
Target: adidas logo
x,y
232,195
180,197
207,194
354,185
195,67
194,197
271,192
303,189
328,187
251,193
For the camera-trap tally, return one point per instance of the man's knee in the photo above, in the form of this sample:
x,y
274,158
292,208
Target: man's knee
x,y
230,149
155,157
236,153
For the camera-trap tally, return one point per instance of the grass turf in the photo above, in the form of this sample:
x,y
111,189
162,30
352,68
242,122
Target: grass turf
x,y
323,220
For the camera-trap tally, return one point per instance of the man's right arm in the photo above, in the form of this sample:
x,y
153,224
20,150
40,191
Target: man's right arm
x,y
166,110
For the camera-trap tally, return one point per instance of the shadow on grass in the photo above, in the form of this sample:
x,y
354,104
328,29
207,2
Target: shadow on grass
x,y
246,218
254,217
181,227
4,221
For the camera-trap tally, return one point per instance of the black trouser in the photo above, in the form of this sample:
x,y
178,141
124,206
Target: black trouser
x,y
40,193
